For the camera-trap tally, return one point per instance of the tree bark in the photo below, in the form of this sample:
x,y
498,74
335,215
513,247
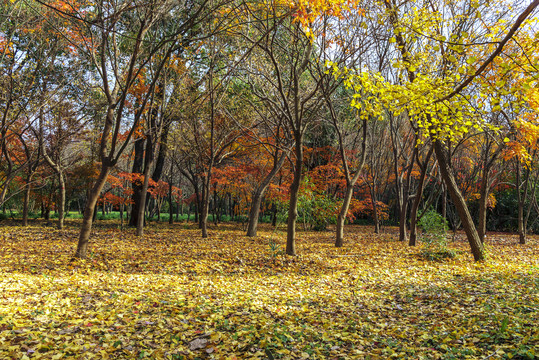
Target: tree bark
x,y
483,205
521,199
350,181
143,195
62,195
417,199
294,197
476,245
138,163
205,207
93,196
170,204
27,191
254,211
375,216
403,231
341,218
259,194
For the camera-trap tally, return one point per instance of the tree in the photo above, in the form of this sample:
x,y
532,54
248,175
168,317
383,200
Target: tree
x,y
442,113
109,28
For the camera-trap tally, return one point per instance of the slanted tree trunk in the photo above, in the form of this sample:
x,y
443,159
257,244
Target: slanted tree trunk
x,y
259,194
350,180
148,161
341,218
93,196
476,245
418,197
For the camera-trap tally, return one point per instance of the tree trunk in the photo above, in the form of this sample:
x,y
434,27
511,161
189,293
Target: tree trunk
x,y
61,207
253,212
374,210
259,194
161,155
403,231
476,245
27,191
341,218
121,209
444,201
138,163
170,205
274,214
215,206
483,206
294,197
376,219
221,210
197,209
142,207
521,199
46,213
415,205
93,196
205,207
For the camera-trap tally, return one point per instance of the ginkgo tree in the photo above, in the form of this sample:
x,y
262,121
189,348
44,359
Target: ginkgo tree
x,y
438,106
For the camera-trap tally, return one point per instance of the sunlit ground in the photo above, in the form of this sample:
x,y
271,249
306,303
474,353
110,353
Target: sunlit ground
x,y
175,295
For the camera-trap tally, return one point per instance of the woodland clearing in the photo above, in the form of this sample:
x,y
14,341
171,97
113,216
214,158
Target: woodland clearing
x,y
174,295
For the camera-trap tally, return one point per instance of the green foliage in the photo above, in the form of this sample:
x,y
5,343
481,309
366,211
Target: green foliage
x,y
433,224
274,249
434,237
316,209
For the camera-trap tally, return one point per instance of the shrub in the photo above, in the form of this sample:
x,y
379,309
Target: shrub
x,y
434,237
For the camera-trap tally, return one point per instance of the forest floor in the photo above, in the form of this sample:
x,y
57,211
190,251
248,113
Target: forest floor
x,y
174,295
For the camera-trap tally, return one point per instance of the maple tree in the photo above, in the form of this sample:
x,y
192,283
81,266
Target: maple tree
x,y
408,117
253,108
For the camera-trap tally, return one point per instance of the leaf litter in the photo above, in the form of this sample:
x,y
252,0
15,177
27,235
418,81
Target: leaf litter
x,y
174,295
